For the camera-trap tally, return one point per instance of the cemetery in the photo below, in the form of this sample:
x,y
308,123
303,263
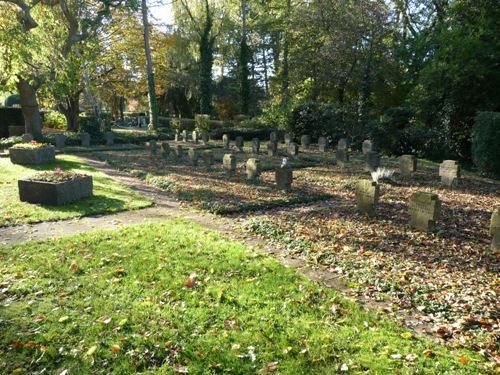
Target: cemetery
x,y
193,187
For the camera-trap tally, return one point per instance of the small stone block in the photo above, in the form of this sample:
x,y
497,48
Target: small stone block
x,y
85,139
449,171
193,155
372,161
407,165
256,146
293,149
424,210
229,163
284,178
495,231
253,169
272,148
367,196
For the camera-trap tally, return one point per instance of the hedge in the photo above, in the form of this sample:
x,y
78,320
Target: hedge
x,y
486,143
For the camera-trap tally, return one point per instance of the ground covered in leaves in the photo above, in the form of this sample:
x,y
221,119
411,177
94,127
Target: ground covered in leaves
x,y
176,298
448,280
109,195
212,189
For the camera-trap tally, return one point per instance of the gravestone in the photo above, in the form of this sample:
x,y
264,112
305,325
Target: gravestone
x,y
110,138
342,156
372,161
177,136
60,140
273,137
407,165
208,158
229,163
293,149
256,146
85,139
322,144
449,170
288,138
284,178
367,196
178,152
184,135
193,156
272,148
305,141
26,138
343,144
368,146
253,169
424,210
195,136
165,149
238,142
495,231
152,147
225,140
205,138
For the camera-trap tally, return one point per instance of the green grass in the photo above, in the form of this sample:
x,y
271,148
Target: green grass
x,y
109,195
118,302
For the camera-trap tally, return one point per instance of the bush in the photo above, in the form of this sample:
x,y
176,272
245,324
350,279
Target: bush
x,y
12,100
317,120
388,131
486,143
10,117
276,116
54,120
91,125
202,123
247,133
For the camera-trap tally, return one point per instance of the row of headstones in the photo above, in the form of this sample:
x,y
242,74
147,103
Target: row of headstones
x,y
283,174
195,136
424,209
84,138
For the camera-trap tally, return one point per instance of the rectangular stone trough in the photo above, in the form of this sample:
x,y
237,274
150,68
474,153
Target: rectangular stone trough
x,y
55,193
27,156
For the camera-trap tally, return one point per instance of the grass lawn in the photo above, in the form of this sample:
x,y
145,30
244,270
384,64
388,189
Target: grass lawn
x,y
109,196
176,298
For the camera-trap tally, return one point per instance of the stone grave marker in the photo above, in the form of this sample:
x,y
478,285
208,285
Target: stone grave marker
x,y
195,136
305,141
322,144
449,171
424,210
177,136
273,137
152,147
342,156
193,155
367,196
284,178
205,138
272,148
109,138
407,165
253,169
343,144
225,140
184,135
165,149
229,163
85,139
495,231
288,138
256,146
178,152
293,149
60,140
368,146
372,161
208,158
26,138
238,142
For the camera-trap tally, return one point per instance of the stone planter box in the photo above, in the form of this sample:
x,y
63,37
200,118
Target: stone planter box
x,y
55,193
26,156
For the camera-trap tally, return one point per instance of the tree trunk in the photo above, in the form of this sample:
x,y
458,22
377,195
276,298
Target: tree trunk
x,y
30,109
206,63
153,105
266,78
285,68
71,111
243,63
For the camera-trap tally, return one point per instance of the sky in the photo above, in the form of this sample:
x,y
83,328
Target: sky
x,y
162,14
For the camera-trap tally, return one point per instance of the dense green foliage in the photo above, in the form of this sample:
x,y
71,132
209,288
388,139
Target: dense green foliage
x,y
10,117
485,143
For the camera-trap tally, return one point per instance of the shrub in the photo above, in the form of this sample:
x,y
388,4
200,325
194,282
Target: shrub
x,y
276,116
13,100
317,120
388,131
54,120
247,133
486,143
91,125
202,123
